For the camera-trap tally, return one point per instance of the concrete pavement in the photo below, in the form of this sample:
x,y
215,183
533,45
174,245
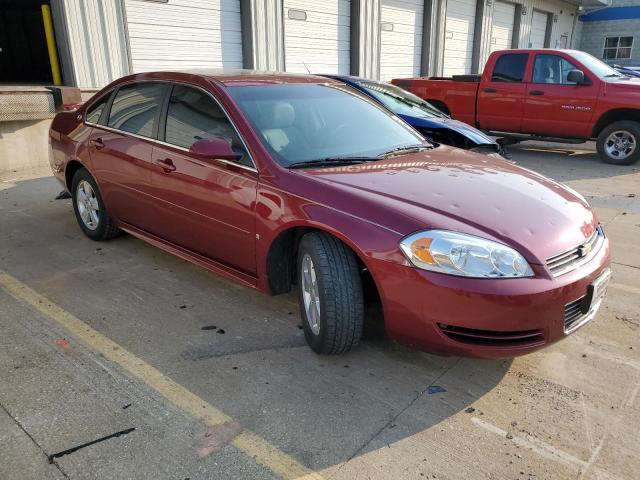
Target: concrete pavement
x,y
569,411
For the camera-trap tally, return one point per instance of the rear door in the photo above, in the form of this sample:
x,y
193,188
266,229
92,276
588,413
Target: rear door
x,y
120,147
207,206
554,106
500,103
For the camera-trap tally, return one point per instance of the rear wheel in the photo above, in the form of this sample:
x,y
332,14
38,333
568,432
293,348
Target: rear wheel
x,y
618,143
330,294
89,208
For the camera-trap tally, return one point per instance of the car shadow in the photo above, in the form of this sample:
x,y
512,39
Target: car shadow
x,y
564,162
241,351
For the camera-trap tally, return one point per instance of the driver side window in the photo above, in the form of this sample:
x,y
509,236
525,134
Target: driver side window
x,y
552,69
193,115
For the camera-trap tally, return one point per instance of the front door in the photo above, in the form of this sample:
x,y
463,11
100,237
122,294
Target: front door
x,y
553,105
120,147
500,100
206,205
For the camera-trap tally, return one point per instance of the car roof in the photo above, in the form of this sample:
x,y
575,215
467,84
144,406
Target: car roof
x,y
234,77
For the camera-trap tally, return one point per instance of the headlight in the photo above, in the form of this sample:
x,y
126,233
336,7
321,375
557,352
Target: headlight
x,y
463,255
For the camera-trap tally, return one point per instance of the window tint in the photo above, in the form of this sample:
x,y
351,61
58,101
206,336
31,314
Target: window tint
x,y
193,115
552,69
95,111
135,107
510,67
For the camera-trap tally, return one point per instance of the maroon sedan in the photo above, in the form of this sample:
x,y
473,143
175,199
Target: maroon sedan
x,y
280,180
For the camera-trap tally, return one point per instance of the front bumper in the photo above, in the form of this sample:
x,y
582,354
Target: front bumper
x,y
482,317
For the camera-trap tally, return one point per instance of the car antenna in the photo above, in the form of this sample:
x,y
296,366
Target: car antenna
x,y
305,66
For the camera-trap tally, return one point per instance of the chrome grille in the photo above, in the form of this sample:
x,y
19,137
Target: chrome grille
x,y
572,314
575,257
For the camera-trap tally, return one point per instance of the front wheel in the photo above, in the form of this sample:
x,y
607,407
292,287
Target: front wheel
x,y
618,143
330,294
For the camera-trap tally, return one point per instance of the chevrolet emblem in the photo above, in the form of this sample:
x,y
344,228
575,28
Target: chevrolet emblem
x,y
583,250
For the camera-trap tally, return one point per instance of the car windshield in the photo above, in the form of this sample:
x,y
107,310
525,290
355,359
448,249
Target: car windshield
x,y
400,101
304,122
597,67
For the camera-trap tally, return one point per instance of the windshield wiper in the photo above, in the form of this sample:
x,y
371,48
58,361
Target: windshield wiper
x,y
405,150
331,161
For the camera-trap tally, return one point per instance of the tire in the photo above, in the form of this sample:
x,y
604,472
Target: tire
x,y
624,130
338,286
91,212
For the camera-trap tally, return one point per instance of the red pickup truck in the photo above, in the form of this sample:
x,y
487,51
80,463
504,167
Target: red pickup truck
x,y
531,94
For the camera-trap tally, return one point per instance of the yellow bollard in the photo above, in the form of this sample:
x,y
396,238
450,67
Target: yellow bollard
x,y
51,45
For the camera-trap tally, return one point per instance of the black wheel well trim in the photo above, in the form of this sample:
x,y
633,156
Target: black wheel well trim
x,y
70,170
283,253
615,115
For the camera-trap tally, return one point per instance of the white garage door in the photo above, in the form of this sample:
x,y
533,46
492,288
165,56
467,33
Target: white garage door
x,y
400,38
502,26
183,34
538,29
316,36
458,37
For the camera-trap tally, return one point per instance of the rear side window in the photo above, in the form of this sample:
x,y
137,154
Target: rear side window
x,y
94,112
135,108
510,67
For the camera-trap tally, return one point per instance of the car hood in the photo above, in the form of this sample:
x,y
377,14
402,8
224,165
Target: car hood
x,y
455,189
468,131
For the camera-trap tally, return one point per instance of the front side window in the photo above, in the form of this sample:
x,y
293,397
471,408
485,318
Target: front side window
x,y
617,47
400,101
94,112
304,122
552,69
135,108
193,115
510,67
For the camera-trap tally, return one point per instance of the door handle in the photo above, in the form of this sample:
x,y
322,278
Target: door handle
x,y
166,164
536,92
490,90
97,143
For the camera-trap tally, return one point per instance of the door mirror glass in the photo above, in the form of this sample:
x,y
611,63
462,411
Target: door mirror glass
x,y
214,148
575,76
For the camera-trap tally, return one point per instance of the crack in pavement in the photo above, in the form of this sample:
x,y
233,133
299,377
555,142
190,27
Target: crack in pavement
x,y
395,417
47,457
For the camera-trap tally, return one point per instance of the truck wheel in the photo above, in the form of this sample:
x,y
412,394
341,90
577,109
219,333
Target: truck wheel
x,y
330,294
619,143
89,208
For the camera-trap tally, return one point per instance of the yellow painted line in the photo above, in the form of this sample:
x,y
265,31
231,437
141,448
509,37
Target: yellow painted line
x,y
625,288
261,451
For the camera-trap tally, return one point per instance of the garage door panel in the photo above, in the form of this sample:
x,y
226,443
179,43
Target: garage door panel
x,y
458,43
502,26
320,42
401,38
184,34
538,29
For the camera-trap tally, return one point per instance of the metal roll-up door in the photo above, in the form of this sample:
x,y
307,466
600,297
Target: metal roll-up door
x,y
316,36
459,28
183,34
504,15
400,38
538,29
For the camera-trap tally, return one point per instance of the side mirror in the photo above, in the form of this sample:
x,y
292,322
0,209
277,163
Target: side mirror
x,y
575,76
214,148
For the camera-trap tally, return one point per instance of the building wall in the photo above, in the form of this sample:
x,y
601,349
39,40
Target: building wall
x,y
593,34
99,48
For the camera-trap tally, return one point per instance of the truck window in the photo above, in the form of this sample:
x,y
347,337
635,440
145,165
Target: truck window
x,y
552,69
510,67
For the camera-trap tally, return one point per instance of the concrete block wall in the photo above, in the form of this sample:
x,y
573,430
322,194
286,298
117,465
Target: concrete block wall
x,y
594,33
24,144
